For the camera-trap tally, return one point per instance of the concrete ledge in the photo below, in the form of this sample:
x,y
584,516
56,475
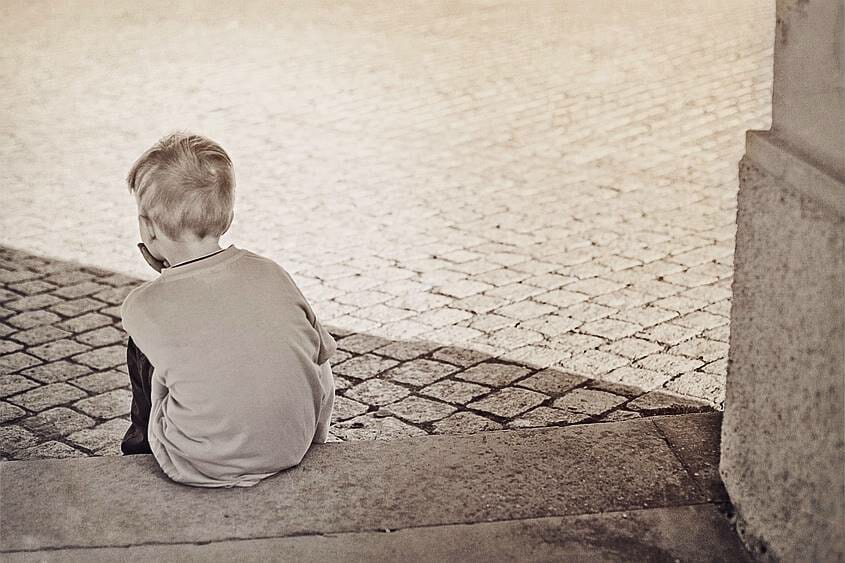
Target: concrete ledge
x,y
787,164
685,533
353,487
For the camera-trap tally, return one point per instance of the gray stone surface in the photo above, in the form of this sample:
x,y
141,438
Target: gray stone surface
x,y
689,533
783,445
346,487
485,180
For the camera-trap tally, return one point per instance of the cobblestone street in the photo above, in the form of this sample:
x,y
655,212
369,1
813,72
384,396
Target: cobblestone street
x,y
509,214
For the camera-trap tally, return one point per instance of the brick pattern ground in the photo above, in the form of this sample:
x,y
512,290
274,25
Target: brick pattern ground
x,y
64,388
552,186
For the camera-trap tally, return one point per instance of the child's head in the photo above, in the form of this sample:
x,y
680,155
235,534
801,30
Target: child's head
x,y
184,186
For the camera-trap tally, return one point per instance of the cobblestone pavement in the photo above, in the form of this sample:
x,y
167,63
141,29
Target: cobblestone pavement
x,y
546,184
64,388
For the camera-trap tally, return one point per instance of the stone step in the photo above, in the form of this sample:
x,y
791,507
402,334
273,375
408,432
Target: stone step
x,y
643,489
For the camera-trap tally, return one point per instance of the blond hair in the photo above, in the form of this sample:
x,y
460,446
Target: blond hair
x,y
184,183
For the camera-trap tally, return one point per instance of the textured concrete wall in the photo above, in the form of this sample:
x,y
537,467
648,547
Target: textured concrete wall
x,y
783,453
808,107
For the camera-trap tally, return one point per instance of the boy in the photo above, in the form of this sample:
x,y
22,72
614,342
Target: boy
x,y
228,363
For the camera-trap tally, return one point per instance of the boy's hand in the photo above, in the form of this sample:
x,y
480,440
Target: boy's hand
x,y
155,263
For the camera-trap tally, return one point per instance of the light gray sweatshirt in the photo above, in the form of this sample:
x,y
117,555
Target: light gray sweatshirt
x,y
241,383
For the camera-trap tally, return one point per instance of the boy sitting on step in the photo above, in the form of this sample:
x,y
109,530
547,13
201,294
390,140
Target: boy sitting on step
x,y
228,363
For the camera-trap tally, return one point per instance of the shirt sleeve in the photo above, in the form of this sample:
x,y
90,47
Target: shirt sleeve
x,y
328,346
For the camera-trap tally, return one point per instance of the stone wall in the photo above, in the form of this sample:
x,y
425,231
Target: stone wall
x,y
782,444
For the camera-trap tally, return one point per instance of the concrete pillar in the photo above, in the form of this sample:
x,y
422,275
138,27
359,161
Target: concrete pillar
x,y
783,432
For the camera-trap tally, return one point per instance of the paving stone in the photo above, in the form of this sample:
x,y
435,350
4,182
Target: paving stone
x,y
14,438
457,392
76,307
40,335
561,298
631,348
576,343
442,316
369,427
462,288
88,321
101,436
55,372
33,302
722,333
68,277
610,329
719,367
680,304
668,363
701,348
419,301
587,312
417,409
101,337
56,422
7,346
702,385
595,286
30,287
9,412
13,276
668,333
341,383
620,415
636,377
508,402
552,382
30,319
480,303
526,310
493,373
592,363
49,450
102,358
344,409
535,356
79,290
5,330
459,356
551,325
44,397
465,423
364,367
588,401
489,322
58,349
362,343
16,361
665,402
405,350
645,316
102,381
12,383
419,372
546,416
106,405
701,320
377,392
113,295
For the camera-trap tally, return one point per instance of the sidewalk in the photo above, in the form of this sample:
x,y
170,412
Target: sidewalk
x,y
64,390
638,490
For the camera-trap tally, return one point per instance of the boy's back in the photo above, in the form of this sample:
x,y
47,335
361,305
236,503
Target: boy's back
x,y
241,382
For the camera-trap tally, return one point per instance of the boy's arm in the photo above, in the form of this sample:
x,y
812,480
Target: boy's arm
x,y
324,417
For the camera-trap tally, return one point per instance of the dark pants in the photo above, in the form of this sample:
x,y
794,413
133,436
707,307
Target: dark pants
x,y
140,376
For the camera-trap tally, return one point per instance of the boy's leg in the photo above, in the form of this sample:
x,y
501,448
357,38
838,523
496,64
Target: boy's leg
x,y
140,376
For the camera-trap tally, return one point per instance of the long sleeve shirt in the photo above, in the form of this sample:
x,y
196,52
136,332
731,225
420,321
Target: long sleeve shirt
x,y
241,383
